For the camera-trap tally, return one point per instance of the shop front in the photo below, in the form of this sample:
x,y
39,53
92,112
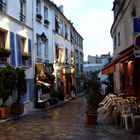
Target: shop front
x,y
64,78
68,80
44,81
126,71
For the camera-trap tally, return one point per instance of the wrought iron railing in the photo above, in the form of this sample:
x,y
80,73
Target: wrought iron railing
x,y
2,6
22,17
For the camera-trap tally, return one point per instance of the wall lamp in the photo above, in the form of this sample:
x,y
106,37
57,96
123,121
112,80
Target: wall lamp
x,y
43,38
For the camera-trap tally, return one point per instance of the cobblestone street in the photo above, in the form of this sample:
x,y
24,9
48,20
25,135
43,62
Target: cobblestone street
x,y
66,122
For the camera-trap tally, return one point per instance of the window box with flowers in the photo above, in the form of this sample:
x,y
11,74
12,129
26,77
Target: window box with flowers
x,y
46,23
4,53
38,17
25,57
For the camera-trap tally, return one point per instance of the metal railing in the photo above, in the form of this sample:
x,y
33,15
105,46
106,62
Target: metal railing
x,y
2,6
22,17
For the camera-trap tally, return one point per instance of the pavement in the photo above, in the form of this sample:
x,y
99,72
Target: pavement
x,y
36,110
66,122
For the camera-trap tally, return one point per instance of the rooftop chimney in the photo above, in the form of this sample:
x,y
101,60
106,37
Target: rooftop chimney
x,y
61,8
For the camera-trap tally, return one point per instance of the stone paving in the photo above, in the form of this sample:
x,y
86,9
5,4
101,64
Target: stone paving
x,y
67,122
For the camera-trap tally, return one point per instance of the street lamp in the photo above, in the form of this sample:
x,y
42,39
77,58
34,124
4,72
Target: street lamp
x,y
43,37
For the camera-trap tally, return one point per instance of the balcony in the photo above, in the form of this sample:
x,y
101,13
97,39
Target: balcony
x,y
22,17
2,6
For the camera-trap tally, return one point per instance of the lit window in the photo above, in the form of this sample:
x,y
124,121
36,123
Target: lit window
x,y
46,49
38,46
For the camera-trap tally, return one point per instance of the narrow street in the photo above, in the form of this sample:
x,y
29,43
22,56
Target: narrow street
x,y
66,122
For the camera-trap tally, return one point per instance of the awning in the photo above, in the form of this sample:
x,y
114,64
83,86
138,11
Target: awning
x,y
46,84
111,67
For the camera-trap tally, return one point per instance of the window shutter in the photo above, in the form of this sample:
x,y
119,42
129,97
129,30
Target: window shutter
x,y
19,55
31,89
22,98
30,52
12,47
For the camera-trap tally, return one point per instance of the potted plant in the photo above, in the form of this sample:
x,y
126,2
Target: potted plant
x,y
39,17
17,108
92,93
46,22
25,57
7,85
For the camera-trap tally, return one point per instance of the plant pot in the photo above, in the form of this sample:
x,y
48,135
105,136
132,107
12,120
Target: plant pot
x,y
4,112
17,108
91,118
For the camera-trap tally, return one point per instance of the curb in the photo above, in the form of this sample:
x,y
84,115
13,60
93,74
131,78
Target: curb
x,y
37,111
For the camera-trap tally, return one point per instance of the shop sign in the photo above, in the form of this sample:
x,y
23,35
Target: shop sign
x,y
136,25
137,53
137,41
40,67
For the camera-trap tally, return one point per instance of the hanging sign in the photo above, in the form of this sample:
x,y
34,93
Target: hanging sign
x,y
136,25
137,53
137,41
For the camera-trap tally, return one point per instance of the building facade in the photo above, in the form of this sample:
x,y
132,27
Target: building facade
x,y
40,28
78,59
16,35
63,51
125,64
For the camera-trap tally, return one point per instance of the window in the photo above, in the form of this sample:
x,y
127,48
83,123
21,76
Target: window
x,y
56,53
114,42
3,5
23,49
46,49
66,32
38,7
61,27
57,24
133,13
118,38
38,46
45,12
61,55
22,10
46,21
66,55
2,39
4,52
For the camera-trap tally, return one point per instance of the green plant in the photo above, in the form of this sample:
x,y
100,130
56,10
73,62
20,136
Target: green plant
x,y
21,83
25,56
46,22
8,79
4,52
92,92
38,16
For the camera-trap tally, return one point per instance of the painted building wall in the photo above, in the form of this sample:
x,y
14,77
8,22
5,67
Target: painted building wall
x,y
15,30
122,31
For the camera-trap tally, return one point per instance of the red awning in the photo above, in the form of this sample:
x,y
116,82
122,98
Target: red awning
x,y
111,67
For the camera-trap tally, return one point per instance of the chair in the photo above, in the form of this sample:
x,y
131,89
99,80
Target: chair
x,y
126,114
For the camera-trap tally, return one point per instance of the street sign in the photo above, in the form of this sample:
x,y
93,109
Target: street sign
x,y
137,53
136,25
137,41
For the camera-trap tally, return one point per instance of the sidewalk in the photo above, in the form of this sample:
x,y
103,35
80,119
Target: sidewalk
x,y
36,110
